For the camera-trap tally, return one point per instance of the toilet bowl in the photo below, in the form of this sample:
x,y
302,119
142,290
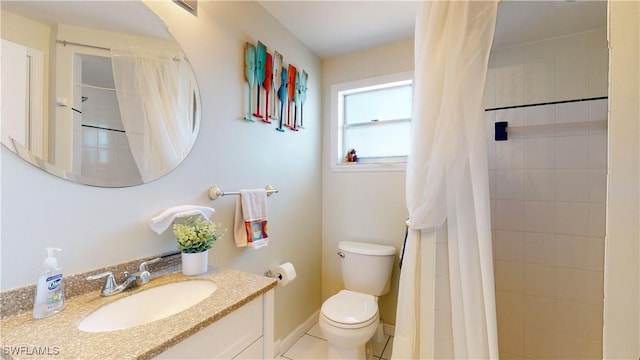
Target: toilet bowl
x,y
349,320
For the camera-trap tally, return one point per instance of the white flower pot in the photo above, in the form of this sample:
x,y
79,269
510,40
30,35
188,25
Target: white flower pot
x,y
195,263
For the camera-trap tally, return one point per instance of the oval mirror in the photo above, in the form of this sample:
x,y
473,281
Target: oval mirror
x,y
96,92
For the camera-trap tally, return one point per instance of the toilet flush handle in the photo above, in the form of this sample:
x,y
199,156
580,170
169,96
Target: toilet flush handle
x,y
340,253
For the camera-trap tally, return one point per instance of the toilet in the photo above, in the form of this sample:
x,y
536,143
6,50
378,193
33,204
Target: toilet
x,y
350,318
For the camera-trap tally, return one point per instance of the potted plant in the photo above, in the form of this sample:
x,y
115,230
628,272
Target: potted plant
x,y
195,237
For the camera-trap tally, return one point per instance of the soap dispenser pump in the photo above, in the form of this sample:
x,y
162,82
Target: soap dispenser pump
x,y
49,297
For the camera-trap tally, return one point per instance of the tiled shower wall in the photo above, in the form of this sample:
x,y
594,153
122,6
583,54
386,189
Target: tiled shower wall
x,y
105,153
548,191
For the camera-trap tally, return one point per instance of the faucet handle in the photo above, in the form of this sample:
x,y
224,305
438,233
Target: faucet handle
x,y
107,274
143,265
143,278
109,284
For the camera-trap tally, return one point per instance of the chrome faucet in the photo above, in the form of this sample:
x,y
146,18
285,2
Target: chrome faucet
x,y
111,287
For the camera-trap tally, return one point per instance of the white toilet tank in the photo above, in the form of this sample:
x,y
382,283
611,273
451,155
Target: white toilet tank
x,y
366,268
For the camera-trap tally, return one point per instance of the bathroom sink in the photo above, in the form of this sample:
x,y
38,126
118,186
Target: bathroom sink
x,y
147,306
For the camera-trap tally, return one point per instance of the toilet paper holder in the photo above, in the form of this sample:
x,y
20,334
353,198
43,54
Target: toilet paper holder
x,y
284,273
270,273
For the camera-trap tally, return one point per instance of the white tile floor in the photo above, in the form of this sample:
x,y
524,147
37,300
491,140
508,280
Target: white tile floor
x,y
312,345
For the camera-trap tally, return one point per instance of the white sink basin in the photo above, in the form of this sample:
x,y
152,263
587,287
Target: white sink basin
x,y
147,306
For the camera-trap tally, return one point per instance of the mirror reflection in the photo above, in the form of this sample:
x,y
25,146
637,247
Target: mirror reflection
x,y
95,92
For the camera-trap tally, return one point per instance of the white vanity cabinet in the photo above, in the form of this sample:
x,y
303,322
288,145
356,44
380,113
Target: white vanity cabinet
x,y
246,333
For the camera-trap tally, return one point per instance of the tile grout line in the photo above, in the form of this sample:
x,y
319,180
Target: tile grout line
x,y
313,336
385,346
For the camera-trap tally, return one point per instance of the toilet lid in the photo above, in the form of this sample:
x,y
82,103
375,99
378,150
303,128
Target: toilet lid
x,y
366,248
350,307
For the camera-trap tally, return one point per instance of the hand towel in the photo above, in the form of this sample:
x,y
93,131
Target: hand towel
x,y
250,227
163,221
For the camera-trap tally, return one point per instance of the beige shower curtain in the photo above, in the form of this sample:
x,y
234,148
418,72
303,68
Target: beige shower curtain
x,y
446,302
155,94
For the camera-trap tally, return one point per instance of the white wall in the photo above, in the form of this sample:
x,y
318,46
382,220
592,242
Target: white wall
x,y
98,226
622,262
361,206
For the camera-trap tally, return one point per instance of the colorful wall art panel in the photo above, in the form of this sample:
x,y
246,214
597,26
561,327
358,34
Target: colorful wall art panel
x,y
282,88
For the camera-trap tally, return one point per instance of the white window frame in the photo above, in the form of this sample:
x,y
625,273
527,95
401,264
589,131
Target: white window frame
x,y
336,160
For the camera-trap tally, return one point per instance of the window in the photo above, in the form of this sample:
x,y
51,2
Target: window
x,y
372,117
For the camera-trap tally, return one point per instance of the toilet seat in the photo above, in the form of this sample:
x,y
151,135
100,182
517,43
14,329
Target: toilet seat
x,y
349,309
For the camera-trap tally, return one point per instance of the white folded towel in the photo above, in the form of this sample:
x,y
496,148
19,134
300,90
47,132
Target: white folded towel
x,y
163,221
250,227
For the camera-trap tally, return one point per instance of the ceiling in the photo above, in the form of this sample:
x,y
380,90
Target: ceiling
x,y
333,28
130,17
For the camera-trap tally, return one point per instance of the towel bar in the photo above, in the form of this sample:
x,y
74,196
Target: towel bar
x,y
215,192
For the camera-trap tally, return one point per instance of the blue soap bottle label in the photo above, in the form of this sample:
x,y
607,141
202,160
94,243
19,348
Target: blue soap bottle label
x,y
55,294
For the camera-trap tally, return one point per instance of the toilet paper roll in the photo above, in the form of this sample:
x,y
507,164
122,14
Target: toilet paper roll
x,y
285,273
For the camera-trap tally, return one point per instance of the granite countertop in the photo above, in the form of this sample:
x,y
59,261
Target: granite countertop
x,y
58,336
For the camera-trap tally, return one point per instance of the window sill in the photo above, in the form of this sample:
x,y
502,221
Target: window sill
x,y
369,166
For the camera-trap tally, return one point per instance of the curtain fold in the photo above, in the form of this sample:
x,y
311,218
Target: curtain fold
x,y
155,95
446,300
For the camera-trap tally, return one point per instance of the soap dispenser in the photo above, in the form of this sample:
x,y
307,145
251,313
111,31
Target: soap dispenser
x,y
49,297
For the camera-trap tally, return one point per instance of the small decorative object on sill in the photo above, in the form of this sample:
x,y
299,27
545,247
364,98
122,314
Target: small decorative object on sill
x,y
195,237
351,156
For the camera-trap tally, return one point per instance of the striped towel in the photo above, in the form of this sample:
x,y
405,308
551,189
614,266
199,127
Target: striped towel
x,y
250,227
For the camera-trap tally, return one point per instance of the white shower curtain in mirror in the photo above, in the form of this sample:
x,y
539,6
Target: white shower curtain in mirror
x,y
446,301
155,93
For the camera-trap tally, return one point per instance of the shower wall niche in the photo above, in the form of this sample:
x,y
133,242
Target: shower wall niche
x,y
548,192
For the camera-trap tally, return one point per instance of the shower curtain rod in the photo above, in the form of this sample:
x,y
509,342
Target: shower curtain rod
x,y
65,43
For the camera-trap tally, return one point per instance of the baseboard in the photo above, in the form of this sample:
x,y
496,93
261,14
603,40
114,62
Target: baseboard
x,y
283,345
389,329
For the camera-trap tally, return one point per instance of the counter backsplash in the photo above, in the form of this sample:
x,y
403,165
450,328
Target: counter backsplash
x,y
15,301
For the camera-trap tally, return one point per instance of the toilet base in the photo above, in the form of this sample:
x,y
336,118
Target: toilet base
x,y
364,351
349,341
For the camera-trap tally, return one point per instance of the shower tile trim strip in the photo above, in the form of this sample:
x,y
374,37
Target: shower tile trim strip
x,y
546,103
